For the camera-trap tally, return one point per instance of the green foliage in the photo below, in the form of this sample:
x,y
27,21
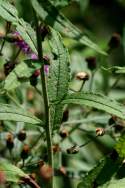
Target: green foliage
x,y
50,15
11,113
20,74
98,101
114,184
120,146
11,172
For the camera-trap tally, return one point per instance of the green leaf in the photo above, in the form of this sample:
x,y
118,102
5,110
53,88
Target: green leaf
x,y
114,184
20,74
98,101
120,146
50,15
59,76
12,173
60,3
115,69
8,11
27,33
88,180
11,113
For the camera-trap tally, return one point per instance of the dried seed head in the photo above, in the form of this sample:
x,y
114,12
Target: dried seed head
x,y
82,76
56,148
25,152
9,141
114,41
100,131
21,135
73,150
46,172
63,133
91,62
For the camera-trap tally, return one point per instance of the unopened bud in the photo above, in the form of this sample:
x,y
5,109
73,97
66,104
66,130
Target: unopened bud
x,y
9,141
25,152
73,150
91,62
21,135
100,132
56,148
46,172
82,76
65,116
114,41
44,30
63,133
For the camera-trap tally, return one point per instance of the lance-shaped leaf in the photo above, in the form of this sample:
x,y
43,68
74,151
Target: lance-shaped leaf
x,y
9,13
51,16
98,101
28,34
20,74
11,113
59,77
11,172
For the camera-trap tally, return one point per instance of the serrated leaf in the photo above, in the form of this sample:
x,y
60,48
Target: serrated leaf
x,y
59,77
20,74
27,33
89,179
114,184
98,101
120,146
12,113
8,11
11,172
50,15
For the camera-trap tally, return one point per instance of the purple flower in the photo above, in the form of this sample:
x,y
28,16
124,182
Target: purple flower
x,y
21,43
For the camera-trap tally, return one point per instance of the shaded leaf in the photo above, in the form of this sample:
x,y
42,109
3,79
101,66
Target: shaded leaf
x,y
98,101
20,74
11,113
59,77
89,179
50,15
114,184
8,11
12,173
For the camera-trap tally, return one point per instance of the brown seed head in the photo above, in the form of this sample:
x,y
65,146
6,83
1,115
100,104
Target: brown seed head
x,y
82,76
114,41
63,133
21,135
46,172
100,131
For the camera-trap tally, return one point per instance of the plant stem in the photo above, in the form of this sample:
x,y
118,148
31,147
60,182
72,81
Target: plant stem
x,y
46,102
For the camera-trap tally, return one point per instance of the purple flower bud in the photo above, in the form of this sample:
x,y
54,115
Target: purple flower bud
x,y
46,69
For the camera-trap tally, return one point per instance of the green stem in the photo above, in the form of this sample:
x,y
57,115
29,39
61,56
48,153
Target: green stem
x,y
46,102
